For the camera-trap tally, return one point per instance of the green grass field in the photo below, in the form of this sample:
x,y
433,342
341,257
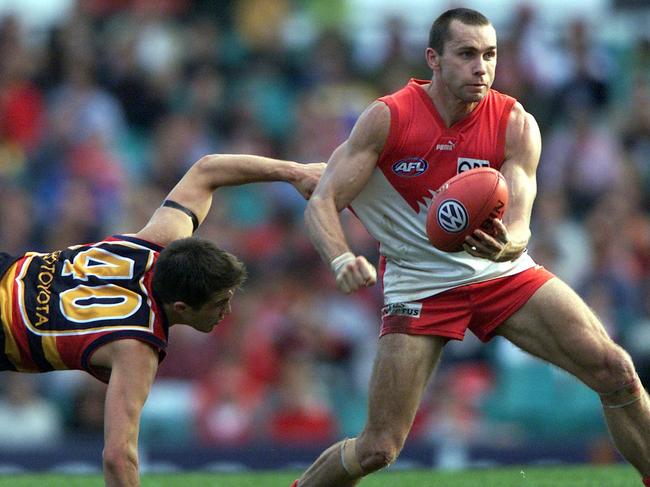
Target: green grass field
x,y
580,476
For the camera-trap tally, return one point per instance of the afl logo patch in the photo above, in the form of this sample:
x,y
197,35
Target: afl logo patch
x,y
410,167
452,216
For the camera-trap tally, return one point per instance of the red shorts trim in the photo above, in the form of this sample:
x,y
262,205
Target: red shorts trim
x,y
479,307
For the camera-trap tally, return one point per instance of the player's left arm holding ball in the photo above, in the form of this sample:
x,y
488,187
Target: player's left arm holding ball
x,y
523,148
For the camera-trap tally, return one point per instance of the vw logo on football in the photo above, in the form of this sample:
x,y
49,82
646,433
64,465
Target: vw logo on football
x,y
410,167
452,216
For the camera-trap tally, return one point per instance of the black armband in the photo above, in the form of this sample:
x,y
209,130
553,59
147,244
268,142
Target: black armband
x,y
184,209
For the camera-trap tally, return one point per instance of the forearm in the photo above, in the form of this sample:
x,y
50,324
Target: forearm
x,y
133,368
522,192
232,169
324,226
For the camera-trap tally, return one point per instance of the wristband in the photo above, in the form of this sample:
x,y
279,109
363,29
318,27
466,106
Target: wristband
x,y
341,261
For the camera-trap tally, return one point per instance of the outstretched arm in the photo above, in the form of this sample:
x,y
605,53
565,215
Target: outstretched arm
x,y
523,148
347,172
133,368
194,190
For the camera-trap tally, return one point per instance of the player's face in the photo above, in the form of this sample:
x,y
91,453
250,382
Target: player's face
x,y
206,317
468,62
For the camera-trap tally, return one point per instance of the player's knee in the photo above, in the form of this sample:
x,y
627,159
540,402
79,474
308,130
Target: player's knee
x,y
378,453
619,384
617,370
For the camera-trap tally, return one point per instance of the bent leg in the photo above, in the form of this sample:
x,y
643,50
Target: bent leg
x,y
401,371
557,326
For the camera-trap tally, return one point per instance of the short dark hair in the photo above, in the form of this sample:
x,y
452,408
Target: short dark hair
x,y
193,269
439,33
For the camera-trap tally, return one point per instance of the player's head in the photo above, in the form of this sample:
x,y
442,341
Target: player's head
x,y
462,53
195,281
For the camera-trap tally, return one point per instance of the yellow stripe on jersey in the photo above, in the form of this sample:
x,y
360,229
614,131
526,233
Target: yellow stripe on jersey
x,y
52,352
6,305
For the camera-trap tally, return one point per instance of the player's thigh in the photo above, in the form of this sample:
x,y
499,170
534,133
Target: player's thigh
x,y
557,326
402,368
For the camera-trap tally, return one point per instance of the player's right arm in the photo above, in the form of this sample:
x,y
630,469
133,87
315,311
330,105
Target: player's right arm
x,y
133,367
346,174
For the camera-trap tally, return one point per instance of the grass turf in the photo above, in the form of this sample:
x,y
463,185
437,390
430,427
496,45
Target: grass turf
x,y
556,476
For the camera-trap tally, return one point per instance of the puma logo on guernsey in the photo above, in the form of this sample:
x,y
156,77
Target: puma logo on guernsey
x,y
410,167
449,146
446,143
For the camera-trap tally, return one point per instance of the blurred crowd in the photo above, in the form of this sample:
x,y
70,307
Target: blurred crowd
x,y
101,113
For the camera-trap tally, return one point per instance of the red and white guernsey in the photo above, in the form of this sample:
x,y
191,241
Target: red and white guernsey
x,y
420,154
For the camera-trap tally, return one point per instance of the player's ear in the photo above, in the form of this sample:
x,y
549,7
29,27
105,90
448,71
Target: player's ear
x,y
433,58
180,306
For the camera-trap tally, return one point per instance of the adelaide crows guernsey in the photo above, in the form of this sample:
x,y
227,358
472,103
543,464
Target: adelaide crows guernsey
x,y
419,155
57,308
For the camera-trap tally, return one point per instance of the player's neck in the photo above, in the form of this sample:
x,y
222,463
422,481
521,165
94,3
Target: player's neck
x,y
451,108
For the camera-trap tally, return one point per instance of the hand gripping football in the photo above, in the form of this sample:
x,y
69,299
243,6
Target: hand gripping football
x,y
464,203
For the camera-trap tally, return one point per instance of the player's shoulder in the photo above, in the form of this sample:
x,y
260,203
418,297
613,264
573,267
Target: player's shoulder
x,y
523,137
373,125
377,114
406,97
521,123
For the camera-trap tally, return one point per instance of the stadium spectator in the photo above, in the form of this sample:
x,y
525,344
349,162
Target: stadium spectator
x,y
227,398
297,412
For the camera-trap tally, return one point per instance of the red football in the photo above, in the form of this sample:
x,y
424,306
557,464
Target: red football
x,y
466,202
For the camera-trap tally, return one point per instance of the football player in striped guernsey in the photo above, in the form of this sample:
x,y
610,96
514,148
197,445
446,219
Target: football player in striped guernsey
x,y
106,307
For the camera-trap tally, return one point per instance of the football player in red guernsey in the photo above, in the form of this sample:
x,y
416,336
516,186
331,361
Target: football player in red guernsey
x,y
401,149
106,307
